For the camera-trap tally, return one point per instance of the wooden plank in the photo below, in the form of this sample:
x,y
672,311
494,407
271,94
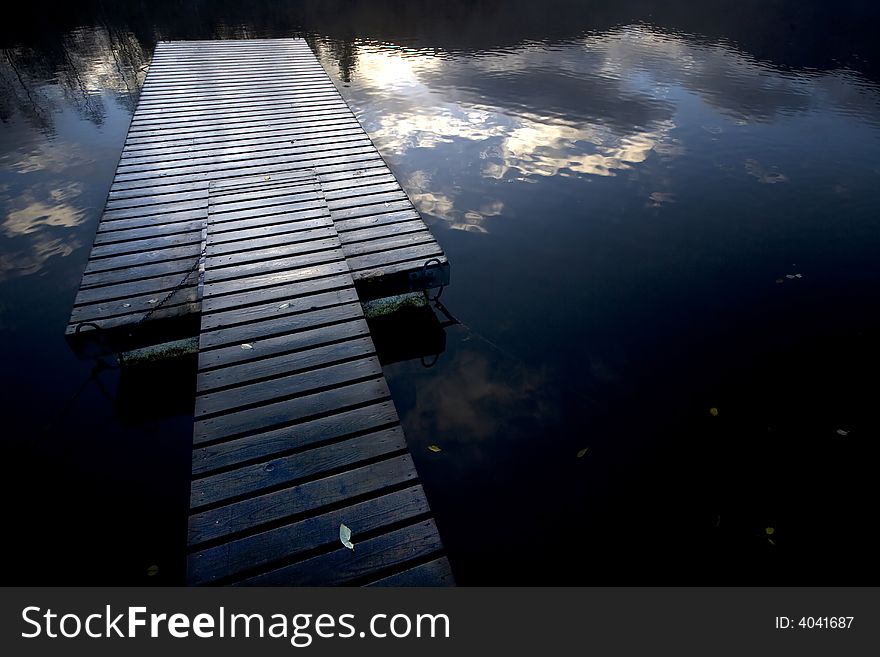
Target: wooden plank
x,y
196,172
244,515
290,386
199,121
276,141
232,156
437,572
193,107
388,551
282,343
269,444
289,363
294,429
141,271
322,531
285,470
289,411
235,330
228,111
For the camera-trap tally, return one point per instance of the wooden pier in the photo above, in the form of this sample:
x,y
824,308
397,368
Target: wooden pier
x,y
219,110
251,209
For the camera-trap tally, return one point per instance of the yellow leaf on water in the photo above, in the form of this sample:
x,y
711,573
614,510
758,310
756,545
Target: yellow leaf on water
x,y
770,530
713,412
153,570
583,452
434,448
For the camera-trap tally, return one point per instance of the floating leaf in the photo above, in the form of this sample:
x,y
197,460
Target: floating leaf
x,y
842,432
583,452
798,275
713,412
434,448
789,276
780,280
153,570
771,541
284,306
345,536
770,530
247,345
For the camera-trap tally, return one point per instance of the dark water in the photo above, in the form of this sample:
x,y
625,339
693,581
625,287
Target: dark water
x,y
651,210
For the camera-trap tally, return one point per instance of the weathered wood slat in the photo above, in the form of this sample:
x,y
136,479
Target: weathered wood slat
x,y
294,430
232,156
268,444
123,261
303,125
267,346
172,184
255,552
198,121
293,386
290,411
285,364
245,514
249,479
434,573
392,550
259,144
165,112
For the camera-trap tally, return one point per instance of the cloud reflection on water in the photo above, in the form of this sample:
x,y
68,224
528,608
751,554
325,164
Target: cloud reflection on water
x,y
594,107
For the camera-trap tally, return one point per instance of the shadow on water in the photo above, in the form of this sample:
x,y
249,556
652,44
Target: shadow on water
x,y
652,210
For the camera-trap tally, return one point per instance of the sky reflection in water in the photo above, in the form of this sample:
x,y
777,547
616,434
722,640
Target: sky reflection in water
x,y
622,208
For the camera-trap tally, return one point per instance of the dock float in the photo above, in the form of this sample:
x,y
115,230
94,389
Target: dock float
x,y
250,209
218,110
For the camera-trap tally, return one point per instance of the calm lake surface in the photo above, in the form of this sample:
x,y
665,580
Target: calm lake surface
x,y
664,227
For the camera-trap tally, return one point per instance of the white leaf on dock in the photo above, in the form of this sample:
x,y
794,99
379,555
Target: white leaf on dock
x,y
345,536
284,306
247,345
152,301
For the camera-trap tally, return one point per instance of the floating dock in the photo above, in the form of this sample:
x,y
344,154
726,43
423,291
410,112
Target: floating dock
x,y
218,110
251,209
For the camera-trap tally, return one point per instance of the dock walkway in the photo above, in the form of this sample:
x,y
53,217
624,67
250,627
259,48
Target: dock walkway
x,y
250,209
217,110
295,431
